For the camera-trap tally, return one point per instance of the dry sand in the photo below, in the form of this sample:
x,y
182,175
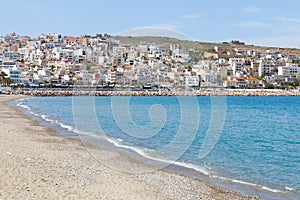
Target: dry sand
x,y
36,163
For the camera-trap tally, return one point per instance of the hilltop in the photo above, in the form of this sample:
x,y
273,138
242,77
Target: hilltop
x,y
166,42
195,45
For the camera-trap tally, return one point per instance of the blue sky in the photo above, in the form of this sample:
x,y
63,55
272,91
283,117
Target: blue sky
x,y
259,22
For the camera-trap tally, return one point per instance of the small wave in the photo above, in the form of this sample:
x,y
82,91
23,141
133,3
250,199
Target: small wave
x,y
192,166
29,110
76,131
34,114
47,119
289,188
243,182
234,181
23,106
270,189
220,178
115,141
43,116
145,152
20,103
69,128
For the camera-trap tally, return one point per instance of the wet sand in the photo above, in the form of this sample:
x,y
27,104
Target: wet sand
x,y
36,163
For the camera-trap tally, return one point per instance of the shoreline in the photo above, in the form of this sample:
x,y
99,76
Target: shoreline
x,y
163,92
200,188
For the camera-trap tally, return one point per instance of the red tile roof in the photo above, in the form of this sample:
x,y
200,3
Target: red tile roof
x,y
252,79
70,38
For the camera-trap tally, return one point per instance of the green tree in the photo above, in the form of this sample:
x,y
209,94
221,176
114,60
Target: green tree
x,y
2,77
211,50
269,86
4,80
261,77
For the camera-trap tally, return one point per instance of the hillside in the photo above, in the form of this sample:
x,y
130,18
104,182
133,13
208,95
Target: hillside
x,y
166,41
187,44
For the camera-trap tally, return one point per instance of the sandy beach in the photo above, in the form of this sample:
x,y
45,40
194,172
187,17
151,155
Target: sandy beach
x,y
36,163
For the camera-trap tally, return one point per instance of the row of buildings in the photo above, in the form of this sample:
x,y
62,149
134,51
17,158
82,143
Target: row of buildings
x,y
101,60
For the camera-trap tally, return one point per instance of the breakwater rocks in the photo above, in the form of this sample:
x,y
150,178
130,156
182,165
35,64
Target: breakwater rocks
x,y
204,92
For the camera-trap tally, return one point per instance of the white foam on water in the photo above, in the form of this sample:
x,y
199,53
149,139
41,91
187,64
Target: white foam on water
x,y
289,188
23,106
271,189
149,153
234,181
145,152
219,177
64,126
45,117
243,182
194,167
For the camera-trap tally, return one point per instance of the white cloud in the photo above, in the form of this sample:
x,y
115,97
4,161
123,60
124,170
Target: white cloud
x,y
287,19
252,9
191,17
253,24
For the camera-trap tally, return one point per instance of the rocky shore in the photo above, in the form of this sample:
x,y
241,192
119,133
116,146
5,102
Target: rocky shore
x,y
202,92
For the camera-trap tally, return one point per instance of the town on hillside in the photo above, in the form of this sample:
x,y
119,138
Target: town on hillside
x,y
53,60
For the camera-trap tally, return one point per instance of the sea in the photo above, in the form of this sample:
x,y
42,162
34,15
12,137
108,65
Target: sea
x,y
247,144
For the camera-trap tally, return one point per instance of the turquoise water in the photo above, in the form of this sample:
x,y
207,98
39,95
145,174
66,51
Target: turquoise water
x,y
259,143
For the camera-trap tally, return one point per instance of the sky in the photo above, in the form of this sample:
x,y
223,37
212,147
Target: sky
x,y
257,22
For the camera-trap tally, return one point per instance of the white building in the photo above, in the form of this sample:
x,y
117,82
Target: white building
x,y
7,64
237,61
192,81
84,74
230,83
66,54
11,55
36,56
237,68
269,79
236,64
110,77
13,72
24,53
16,75
289,70
211,79
265,68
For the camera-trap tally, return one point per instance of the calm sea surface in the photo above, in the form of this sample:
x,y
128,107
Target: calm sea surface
x,y
258,144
